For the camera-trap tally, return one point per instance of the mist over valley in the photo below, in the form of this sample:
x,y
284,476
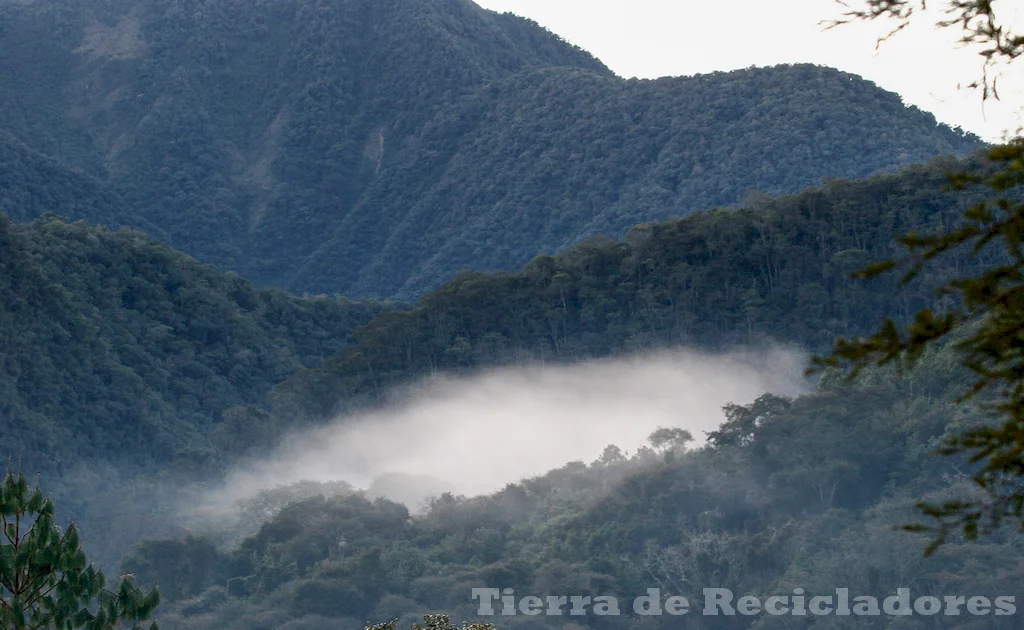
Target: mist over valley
x,y
332,313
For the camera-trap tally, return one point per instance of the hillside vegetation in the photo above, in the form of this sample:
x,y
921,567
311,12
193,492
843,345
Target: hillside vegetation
x,y
379,147
775,270
117,349
544,159
32,184
787,494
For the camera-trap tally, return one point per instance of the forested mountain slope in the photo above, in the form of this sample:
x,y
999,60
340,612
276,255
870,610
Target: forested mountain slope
x,y
32,184
210,115
788,494
777,269
541,160
378,147
118,349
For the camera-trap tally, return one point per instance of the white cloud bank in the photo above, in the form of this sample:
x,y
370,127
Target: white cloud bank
x,y
480,432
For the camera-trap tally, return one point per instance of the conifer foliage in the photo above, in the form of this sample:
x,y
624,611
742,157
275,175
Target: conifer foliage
x,y
46,581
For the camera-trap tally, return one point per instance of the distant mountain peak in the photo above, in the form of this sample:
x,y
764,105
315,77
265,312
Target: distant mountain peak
x,y
378,147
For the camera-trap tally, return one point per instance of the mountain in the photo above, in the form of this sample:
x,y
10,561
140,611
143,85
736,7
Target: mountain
x,y
130,370
117,349
544,159
209,115
775,270
378,147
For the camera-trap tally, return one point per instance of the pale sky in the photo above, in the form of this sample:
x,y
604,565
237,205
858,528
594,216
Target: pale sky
x,y
654,38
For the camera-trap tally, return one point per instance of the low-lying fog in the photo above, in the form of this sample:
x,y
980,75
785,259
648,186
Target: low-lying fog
x,y
474,434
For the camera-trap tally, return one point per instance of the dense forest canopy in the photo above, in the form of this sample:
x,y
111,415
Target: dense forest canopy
x,y
777,269
544,159
379,147
114,340
788,494
117,348
32,184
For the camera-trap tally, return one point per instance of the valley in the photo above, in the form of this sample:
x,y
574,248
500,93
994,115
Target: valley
x,y
329,313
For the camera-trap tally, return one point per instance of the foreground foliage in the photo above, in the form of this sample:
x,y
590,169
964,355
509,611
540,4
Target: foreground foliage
x,y
984,306
988,311
45,580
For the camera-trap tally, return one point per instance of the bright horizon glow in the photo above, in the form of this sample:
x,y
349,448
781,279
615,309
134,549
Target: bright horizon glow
x,y
656,38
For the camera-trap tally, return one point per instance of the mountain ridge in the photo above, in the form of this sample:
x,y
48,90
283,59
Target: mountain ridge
x,y
358,147
117,348
634,181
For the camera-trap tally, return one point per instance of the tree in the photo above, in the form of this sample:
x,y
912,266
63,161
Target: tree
x,y
45,580
665,439
986,321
